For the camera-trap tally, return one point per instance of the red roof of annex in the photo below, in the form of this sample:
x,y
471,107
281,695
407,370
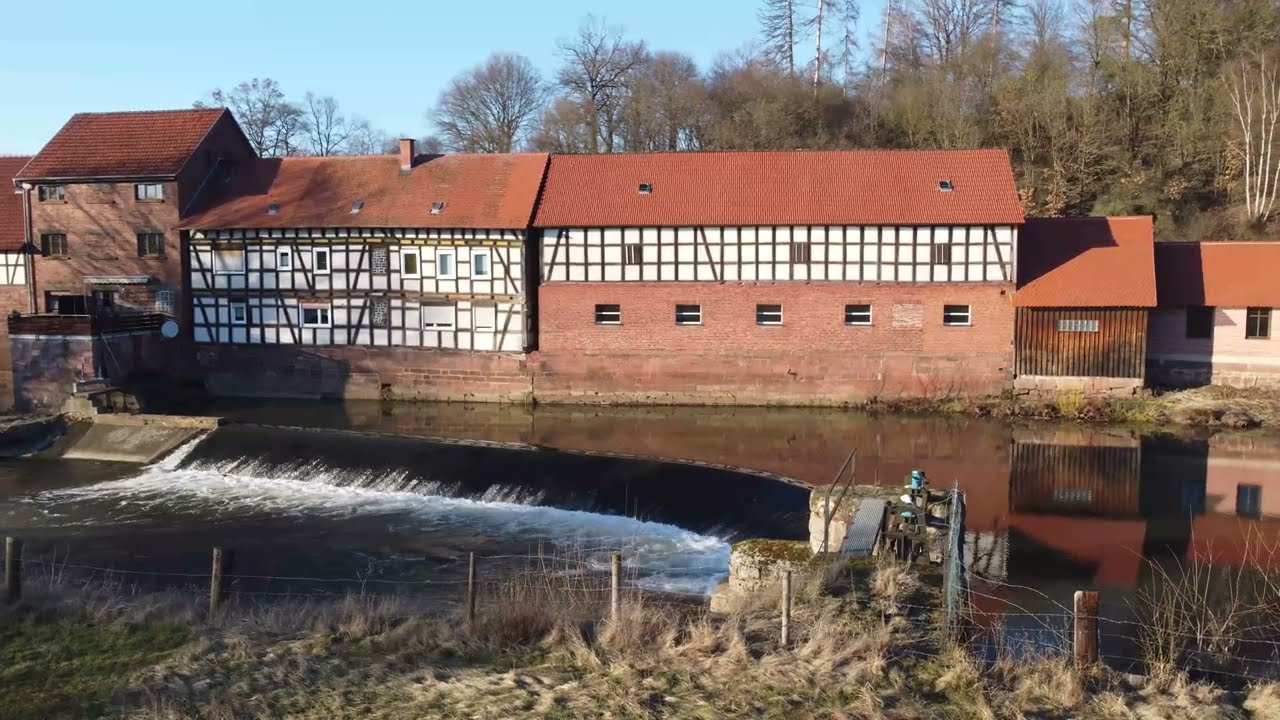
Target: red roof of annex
x,y
12,228
855,187
1086,262
148,143
1221,274
478,191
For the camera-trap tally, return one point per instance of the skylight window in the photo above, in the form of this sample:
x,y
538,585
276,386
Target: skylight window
x,y
646,188
437,208
356,207
946,186
273,209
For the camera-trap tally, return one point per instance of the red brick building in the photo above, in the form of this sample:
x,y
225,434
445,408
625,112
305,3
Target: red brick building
x,y
14,288
781,277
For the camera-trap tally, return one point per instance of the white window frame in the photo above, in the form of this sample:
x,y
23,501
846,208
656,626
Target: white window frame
x,y
326,321
487,308
440,326
243,307
870,315
1081,325
769,323
597,313
416,254
143,192
453,264
287,256
244,261
688,320
316,253
949,319
488,263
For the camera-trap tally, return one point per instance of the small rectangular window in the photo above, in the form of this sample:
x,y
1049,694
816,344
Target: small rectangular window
x,y
52,193
410,266
632,254
688,314
378,260
768,314
437,208
799,252
956,315
380,312
284,260
320,261
148,191
150,244
239,313
1077,325
1249,500
1257,325
608,314
857,314
1199,323
315,316
484,317
53,244
940,254
228,262
164,302
438,316
446,268
481,268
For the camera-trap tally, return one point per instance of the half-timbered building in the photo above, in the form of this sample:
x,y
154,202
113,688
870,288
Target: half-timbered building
x,y
331,276
15,293
1086,287
791,277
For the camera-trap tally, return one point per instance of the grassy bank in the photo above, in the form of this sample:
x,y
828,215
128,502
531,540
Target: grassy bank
x,y
1206,407
866,646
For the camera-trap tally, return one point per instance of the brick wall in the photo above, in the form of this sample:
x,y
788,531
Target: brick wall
x,y
12,297
45,367
812,358
359,373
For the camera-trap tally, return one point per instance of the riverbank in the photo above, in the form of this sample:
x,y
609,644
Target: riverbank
x,y
865,645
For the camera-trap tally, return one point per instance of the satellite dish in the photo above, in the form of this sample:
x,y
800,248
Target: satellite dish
x,y
169,329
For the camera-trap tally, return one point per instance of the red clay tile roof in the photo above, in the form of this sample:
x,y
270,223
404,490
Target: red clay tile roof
x,y
12,228
1221,274
152,143
1086,262
478,191
780,188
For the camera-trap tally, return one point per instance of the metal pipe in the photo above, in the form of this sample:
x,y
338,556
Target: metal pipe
x,y
28,247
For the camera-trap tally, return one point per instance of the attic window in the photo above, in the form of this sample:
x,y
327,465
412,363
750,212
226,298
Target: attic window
x,y
437,208
946,186
646,188
273,209
356,207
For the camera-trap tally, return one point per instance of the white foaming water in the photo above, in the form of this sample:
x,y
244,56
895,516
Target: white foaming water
x,y
662,556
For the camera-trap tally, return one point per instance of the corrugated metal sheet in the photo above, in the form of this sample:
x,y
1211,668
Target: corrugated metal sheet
x,y
865,528
1117,349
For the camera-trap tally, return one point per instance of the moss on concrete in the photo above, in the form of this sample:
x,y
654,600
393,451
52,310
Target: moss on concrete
x,y
793,551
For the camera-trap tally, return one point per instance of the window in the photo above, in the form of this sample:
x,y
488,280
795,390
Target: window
x,y
480,265
1199,323
59,304
228,262
446,269
379,260
52,193
956,315
320,261
857,314
645,188
1257,324
688,314
608,314
380,313
410,266
148,191
356,207
284,259
315,316
150,244
239,313
438,316
1077,325
1249,500
437,208
799,252
103,300
632,254
273,209
53,244
768,314
946,186
940,254
164,302
484,317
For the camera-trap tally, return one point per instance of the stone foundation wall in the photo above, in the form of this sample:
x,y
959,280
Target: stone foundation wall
x,y
1191,373
1093,386
46,367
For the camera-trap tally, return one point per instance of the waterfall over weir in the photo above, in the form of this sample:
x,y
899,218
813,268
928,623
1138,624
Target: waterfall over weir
x,y
341,499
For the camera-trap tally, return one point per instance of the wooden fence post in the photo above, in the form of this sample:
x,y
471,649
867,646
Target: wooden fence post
x,y
1086,630
471,592
12,570
786,609
615,571
222,560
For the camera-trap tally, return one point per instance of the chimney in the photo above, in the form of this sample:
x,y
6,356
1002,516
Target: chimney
x,y
406,154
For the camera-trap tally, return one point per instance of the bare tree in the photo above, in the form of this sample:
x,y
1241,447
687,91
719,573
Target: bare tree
x,y
1254,89
269,121
364,139
666,107
848,12
563,127
596,70
780,27
326,128
491,108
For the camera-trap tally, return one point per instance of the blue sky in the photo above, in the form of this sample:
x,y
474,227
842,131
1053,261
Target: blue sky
x,y
384,60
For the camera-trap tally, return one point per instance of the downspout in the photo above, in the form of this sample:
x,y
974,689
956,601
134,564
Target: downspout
x,y
27,247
